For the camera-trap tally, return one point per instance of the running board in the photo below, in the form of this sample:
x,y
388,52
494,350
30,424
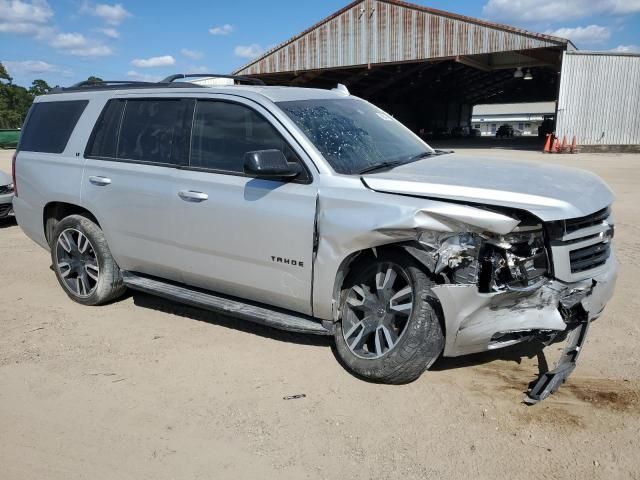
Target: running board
x,y
221,304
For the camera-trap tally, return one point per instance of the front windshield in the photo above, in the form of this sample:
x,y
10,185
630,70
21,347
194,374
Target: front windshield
x,y
352,134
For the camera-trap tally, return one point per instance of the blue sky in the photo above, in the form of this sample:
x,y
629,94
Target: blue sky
x,y
64,41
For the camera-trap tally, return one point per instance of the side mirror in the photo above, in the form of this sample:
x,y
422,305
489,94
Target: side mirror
x,y
270,164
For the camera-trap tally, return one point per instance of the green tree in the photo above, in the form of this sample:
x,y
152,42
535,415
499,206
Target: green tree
x,y
4,75
39,87
14,101
93,79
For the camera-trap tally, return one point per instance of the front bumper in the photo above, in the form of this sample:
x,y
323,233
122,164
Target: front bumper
x,y
477,322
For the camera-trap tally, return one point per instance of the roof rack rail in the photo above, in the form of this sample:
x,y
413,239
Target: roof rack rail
x,y
120,84
237,78
96,83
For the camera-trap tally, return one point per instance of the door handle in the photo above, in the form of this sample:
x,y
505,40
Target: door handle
x,y
191,196
100,181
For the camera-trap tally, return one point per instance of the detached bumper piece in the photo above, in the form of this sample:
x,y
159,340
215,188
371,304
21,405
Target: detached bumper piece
x,y
551,381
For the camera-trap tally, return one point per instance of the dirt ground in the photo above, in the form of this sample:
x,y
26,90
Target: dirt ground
x,y
144,389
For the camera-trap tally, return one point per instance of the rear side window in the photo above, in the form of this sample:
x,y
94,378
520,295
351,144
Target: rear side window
x,y
152,131
223,132
49,125
105,135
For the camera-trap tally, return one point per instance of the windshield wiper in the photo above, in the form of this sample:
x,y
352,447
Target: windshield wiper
x,y
420,156
381,166
395,163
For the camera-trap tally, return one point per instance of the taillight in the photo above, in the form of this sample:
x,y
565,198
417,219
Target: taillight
x,y
13,173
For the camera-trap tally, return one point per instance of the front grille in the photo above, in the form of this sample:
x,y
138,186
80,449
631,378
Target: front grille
x,y
579,246
576,224
4,189
5,209
590,257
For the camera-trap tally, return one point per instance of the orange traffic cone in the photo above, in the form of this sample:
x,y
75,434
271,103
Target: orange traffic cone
x,y
573,145
555,145
547,145
563,147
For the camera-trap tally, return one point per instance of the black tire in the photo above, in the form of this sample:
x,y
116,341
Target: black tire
x,y
420,343
105,282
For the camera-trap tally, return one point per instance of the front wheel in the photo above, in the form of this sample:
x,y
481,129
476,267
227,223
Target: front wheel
x,y
389,330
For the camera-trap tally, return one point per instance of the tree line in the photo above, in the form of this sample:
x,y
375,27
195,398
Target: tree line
x,y
16,100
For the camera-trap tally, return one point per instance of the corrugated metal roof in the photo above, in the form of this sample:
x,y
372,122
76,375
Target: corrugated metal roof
x,y
600,99
368,32
544,108
608,53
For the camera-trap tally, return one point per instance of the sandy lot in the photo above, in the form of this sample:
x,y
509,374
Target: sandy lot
x,y
143,389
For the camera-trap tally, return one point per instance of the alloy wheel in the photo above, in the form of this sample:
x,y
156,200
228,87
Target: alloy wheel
x,y
377,311
77,262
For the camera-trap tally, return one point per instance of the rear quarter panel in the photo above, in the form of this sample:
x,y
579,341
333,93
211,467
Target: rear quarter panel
x,y
44,177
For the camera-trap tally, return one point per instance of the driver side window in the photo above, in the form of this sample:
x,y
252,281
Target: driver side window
x,y
223,132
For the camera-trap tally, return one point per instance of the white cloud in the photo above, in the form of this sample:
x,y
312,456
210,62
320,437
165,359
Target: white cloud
x,y
65,41
249,51
24,18
626,49
225,29
91,51
21,28
78,45
590,34
112,14
32,18
29,66
143,77
194,54
163,61
536,11
109,32
624,7
17,11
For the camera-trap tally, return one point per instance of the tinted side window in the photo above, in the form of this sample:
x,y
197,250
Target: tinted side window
x,y
152,131
105,134
49,125
223,132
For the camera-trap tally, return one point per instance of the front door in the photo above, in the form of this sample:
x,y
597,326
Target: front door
x,y
243,236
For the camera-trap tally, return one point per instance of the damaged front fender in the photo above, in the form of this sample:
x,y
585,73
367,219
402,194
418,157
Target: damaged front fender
x,y
353,219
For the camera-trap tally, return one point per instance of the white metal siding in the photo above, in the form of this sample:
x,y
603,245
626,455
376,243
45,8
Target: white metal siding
x,y
599,99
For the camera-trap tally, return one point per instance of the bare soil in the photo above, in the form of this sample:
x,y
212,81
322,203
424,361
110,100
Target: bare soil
x,y
146,389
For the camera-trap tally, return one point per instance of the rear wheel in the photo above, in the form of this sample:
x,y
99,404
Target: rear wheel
x,y
83,263
389,331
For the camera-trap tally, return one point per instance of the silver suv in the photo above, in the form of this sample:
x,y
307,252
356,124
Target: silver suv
x,y
312,211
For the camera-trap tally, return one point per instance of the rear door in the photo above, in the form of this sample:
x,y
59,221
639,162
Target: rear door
x,y
243,236
130,180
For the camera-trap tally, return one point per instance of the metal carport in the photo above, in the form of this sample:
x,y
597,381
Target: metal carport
x,y
427,67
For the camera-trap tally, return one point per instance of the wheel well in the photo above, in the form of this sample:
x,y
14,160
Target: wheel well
x,y
349,265
56,211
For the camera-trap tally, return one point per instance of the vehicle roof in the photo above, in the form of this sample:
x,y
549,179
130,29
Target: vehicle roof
x,y
273,93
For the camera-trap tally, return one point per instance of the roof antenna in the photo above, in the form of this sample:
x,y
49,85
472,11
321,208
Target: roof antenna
x,y
342,89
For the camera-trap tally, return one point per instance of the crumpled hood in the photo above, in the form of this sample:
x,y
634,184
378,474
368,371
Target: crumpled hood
x,y
550,192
